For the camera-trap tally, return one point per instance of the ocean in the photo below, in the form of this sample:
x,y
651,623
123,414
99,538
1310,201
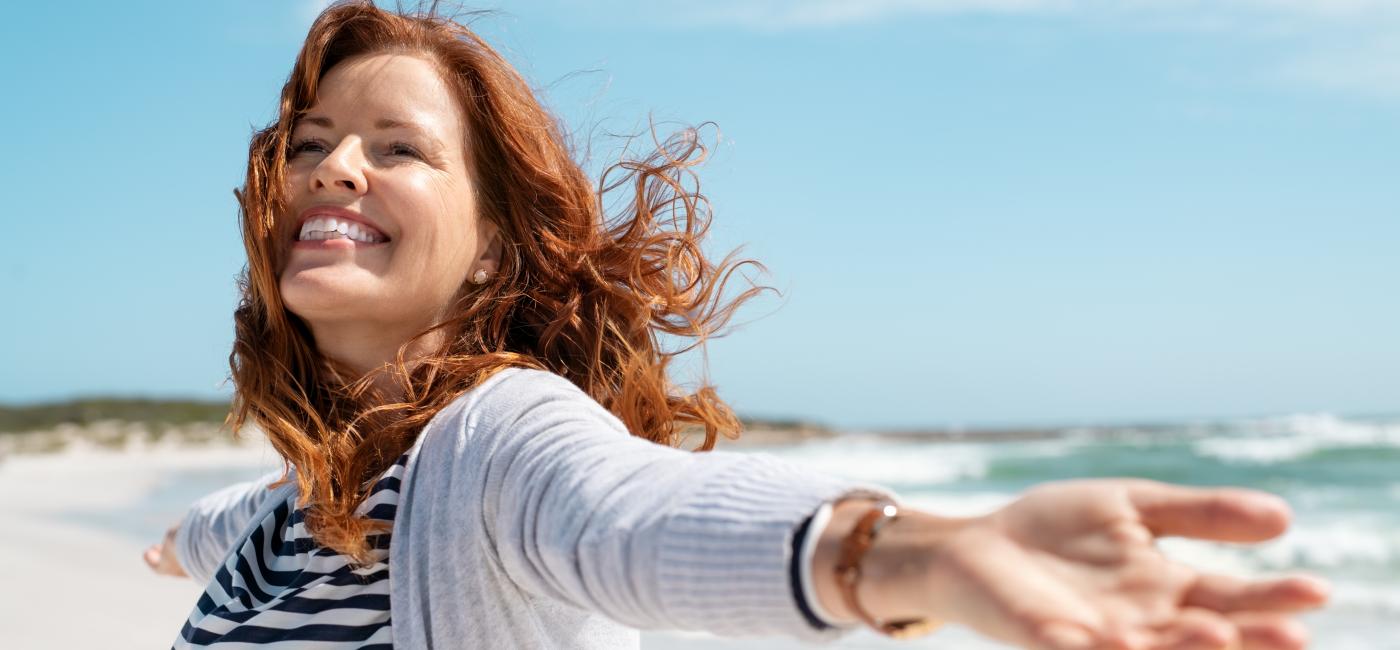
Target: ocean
x,y
1341,475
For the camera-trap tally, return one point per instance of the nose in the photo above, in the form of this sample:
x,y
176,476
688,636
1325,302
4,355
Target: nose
x,y
342,168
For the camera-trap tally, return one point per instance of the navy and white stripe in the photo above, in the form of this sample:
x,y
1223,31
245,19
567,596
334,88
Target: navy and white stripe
x,y
280,589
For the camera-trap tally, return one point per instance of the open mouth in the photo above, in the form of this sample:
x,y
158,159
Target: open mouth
x,y
331,228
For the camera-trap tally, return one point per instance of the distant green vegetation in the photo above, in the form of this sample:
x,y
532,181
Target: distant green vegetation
x,y
40,417
86,411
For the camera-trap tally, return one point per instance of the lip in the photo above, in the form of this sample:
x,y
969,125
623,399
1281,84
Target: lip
x,y
339,213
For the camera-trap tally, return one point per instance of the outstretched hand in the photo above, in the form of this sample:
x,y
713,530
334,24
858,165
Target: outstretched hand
x,y
161,556
1074,565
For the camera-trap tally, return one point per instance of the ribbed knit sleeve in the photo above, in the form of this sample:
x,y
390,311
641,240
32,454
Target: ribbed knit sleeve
x,y
578,510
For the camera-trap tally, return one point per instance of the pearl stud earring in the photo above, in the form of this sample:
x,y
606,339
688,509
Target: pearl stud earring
x,y
480,276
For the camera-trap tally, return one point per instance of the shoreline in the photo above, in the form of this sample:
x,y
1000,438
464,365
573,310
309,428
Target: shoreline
x,y
115,430
129,436
80,518
81,515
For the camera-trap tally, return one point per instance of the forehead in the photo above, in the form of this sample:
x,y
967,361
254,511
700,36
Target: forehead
x,y
387,89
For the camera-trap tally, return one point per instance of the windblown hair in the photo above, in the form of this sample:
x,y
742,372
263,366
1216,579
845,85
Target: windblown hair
x,y
580,292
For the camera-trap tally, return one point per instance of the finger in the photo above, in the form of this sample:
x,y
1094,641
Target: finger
x,y
1228,594
152,556
1198,629
1269,631
1221,514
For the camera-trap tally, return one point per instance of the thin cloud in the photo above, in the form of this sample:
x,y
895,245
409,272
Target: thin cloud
x,y
785,14
1367,68
1338,45
788,14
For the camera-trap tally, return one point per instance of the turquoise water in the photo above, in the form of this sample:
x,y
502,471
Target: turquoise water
x,y
1342,477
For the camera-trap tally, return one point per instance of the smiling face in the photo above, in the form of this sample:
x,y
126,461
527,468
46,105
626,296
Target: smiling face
x,y
386,142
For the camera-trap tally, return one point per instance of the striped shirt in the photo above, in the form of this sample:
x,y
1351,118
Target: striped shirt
x,y
280,589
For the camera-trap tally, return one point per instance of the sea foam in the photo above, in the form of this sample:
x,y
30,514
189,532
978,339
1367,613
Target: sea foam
x,y
1293,437
896,464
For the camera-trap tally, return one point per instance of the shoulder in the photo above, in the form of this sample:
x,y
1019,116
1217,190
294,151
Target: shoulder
x,y
518,400
526,383
518,421
514,390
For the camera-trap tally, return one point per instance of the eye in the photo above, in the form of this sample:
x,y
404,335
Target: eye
x,y
405,149
395,149
298,146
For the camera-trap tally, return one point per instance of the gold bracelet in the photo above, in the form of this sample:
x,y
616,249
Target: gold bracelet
x,y
853,550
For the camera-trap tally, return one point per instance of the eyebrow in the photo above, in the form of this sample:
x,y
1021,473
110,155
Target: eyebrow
x,y
381,124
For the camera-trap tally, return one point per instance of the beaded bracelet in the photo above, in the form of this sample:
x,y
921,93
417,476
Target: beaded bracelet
x,y
853,549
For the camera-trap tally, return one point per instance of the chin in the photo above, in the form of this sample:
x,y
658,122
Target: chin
x,y
315,301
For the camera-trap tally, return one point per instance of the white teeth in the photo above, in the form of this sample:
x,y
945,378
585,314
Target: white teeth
x,y
321,228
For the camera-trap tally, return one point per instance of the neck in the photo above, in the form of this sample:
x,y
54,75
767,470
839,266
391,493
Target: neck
x,y
367,347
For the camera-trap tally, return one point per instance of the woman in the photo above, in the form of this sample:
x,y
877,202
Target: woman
x,y
458,358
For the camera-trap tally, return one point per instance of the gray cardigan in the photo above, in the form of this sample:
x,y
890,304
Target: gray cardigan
x,y
530,518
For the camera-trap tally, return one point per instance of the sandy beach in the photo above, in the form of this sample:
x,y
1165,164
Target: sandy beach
x,y
79,519
79,578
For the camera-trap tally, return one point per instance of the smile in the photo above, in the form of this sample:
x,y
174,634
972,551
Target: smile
x,y
328,228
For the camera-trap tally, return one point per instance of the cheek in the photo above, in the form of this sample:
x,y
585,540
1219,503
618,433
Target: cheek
x,y
435,263
453,251
454,236
296,176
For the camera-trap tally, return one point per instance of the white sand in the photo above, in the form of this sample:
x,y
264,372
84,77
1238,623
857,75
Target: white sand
x,y
73,580
71,585
76,523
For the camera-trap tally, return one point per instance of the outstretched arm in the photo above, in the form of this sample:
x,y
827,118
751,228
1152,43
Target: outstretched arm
x,y
194,546
1073,566
579,511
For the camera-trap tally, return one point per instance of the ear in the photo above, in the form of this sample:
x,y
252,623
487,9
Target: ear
x,y
490,257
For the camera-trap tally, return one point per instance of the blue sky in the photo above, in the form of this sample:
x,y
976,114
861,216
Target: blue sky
x,y
978,211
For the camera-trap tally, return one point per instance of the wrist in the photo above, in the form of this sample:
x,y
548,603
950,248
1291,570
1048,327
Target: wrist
x,y
902,575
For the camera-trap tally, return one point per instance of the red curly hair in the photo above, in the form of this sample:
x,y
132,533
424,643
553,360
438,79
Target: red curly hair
x,y
580,292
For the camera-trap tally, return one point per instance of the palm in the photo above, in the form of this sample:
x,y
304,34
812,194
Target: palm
x,y
1078,559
